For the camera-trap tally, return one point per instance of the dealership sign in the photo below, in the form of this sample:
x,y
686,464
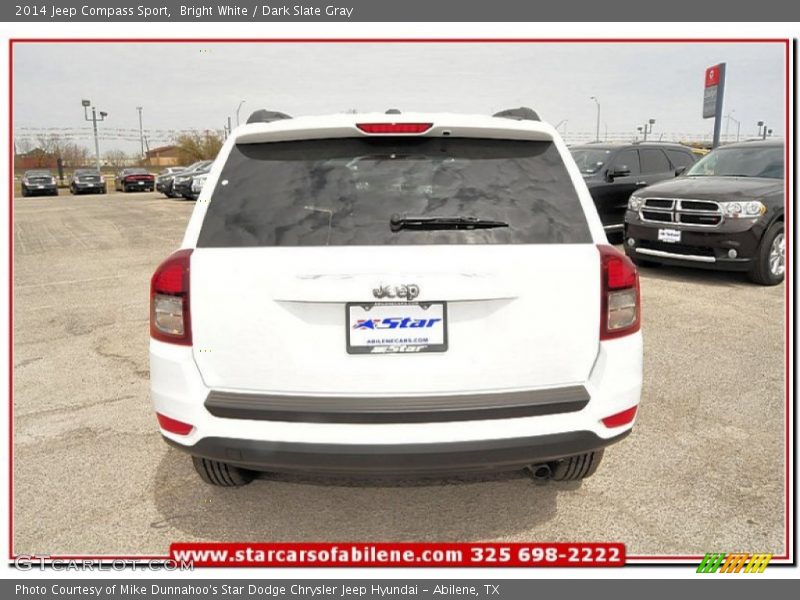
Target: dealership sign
x,y
714,76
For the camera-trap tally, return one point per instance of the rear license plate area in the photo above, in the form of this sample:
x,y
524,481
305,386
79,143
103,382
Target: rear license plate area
x,y
396,328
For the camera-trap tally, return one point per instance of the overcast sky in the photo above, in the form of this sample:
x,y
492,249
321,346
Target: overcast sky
x,y
197,86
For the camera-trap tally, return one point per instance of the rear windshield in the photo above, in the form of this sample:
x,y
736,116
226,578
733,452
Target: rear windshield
x,y
345,192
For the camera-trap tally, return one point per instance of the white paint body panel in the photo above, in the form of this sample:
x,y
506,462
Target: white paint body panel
x,y
520,317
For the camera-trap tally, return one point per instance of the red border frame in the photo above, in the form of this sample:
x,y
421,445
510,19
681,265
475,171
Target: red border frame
x,y
650,560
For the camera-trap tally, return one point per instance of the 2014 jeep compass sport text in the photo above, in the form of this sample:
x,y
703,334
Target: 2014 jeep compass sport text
x,y
395,294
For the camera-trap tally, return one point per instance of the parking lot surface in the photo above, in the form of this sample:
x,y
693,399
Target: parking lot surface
x,y
702,470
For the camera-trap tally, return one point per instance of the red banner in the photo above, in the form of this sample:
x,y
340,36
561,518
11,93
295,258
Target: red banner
x,y
365,554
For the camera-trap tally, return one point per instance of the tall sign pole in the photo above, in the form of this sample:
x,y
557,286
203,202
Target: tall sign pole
x,y
713,96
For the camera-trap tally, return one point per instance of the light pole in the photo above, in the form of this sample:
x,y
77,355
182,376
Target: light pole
x,y
648,128
86,104
760,125
237,112
141,133
597,132
730,118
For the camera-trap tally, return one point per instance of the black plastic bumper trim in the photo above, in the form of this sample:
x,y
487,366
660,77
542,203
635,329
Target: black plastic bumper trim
x,y
403,409
378,459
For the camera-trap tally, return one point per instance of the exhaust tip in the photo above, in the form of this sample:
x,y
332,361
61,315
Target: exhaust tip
x,y
540,473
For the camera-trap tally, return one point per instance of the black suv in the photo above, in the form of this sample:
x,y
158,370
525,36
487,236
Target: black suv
x,y
614,171
726,213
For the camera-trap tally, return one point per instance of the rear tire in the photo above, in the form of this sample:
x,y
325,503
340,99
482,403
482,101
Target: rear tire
x,y
578,467
221,474
770,263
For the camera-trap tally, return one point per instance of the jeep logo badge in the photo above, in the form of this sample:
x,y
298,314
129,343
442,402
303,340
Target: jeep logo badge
x,y
406,292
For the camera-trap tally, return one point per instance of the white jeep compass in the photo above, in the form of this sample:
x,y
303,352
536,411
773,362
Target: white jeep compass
x,y
394,294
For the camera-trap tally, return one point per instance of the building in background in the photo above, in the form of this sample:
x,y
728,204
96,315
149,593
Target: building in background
x,y
36,159
163,156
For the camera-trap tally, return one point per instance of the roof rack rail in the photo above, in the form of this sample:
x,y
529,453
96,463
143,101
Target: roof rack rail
x,y
523,113
393,111
267,116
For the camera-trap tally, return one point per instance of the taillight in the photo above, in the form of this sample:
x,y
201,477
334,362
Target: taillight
x,y
394,128
170,320
621,418
173,425
620,305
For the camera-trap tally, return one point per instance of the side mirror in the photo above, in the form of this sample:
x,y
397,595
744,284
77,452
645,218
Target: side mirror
x,y
619,171
680,171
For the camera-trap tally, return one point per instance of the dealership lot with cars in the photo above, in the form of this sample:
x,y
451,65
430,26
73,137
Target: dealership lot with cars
x,y
702,469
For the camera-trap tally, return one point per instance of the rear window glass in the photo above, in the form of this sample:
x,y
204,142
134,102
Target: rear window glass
x,y
344,192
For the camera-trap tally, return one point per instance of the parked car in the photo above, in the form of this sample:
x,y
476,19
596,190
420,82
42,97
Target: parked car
x,y
182,184
164,179
726,212
614,171
198,181
371,294
134,179
39,182
87,181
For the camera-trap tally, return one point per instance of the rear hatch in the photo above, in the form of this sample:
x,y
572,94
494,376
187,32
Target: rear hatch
x,y
300,283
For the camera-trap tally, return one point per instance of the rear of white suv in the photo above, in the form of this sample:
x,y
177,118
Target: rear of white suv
x,y
394,294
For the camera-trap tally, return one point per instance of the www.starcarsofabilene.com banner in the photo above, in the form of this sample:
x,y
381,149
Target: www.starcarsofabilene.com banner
x,y
354,554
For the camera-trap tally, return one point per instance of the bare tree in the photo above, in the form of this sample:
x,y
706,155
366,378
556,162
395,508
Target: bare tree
x,y
51,143
23,145
198,146
74,155
117,158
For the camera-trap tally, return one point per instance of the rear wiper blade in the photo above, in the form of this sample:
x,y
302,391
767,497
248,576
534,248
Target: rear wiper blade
x,y
398,222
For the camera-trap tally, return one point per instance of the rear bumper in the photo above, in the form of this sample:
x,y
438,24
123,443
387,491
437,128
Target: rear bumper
x,y
44,189
88,187
382,459
252,434
396,409
139,185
